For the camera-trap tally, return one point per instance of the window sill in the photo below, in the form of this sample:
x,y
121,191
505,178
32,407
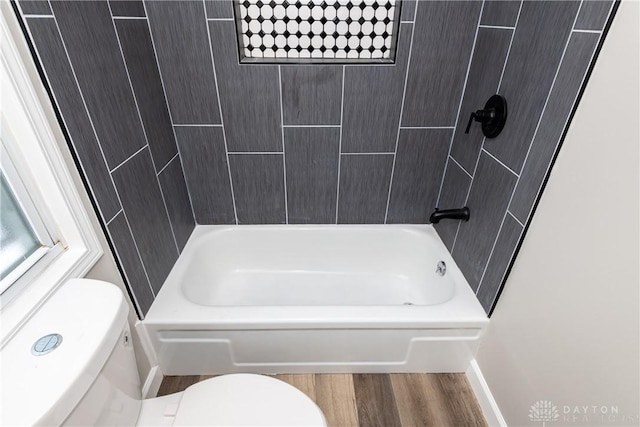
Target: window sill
x,y
68,264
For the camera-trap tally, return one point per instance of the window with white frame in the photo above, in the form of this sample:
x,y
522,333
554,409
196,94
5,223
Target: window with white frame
x,y
47,236
26,243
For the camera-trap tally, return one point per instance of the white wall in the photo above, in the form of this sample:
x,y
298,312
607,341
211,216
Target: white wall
x,y
105,269
566,328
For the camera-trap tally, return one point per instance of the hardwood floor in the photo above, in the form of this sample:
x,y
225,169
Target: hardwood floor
x,y
378,400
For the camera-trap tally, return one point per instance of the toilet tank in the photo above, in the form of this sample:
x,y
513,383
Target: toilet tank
x,y
90,378
114,398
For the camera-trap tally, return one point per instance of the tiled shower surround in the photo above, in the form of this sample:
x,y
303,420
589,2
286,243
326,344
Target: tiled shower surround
x,y
170,130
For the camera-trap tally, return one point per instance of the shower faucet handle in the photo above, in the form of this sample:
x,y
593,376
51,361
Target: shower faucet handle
x,y
493,117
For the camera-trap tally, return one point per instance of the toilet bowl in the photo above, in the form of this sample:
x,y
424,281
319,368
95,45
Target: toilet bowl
x,y
73,363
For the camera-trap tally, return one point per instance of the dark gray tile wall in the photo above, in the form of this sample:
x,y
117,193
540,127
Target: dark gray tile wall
x,y
161,89
138,53
455,188
433,96
538,44
364,188
207,171
116,117
147,216
311,95
548,55
488,200
593,15
408,12
561,99
484,76
51,52
35,7
127,253
180,35
130,8
93,49
501,254
174,190
311,161
501,13
420,160
371,117
249,95
219,9
258,185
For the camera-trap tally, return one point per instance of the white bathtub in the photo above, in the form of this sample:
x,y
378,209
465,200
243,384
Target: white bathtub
x,y
293,299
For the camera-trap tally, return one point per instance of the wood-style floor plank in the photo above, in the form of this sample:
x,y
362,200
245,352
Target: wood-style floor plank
x,y
175,383
436,400
306,383
375,401
413,394
459,400
336,398
380,400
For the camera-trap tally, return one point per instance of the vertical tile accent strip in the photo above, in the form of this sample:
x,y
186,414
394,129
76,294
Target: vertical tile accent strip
x,y
570,76
207,175
176,196
92,45
432,97
501,13
420,160
311,95
147,86
593,15
499,261
143,204
180,35
364,187
258,188
249,95
484,76
131,263
69,100
371,116
537,48
488,200
312,166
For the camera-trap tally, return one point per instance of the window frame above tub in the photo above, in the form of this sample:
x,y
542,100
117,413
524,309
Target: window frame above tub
x,y
37,151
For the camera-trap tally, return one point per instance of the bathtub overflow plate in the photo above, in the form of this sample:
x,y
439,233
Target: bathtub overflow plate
x,y
441,268
46,344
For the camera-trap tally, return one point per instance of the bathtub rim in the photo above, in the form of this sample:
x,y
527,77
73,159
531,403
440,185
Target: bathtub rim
x,y
171,308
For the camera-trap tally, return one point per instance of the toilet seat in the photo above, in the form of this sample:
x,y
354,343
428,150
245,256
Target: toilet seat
x,y
246,400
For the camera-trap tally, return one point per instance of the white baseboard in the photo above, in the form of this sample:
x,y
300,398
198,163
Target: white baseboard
x,y
152,383
483,394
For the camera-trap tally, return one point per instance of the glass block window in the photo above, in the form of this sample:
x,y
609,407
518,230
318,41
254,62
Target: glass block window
x,y
317,30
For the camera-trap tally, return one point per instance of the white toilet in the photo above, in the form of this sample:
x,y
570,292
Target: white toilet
x,y
84,373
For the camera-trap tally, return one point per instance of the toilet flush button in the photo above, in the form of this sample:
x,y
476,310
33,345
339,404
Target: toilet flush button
x,y
46,344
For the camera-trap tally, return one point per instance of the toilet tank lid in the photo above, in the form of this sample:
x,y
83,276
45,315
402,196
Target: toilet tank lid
x,y
89,315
